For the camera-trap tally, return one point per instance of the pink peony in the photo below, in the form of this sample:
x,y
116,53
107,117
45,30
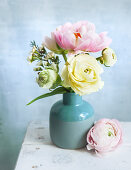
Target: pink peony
x,y
51,44
81,36
104,136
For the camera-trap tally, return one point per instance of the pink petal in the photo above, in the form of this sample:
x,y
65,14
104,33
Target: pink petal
x,y
88,41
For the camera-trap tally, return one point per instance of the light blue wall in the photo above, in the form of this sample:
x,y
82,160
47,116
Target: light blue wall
x,y
24,20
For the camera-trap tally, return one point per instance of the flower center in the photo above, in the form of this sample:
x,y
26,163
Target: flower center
x,y
115,132
77,34
86,70
110,133
44,78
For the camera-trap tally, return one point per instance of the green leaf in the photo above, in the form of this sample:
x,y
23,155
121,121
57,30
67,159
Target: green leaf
x,y
59,90
33,43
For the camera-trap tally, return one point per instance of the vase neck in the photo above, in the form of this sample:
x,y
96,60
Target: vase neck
x,y
72,99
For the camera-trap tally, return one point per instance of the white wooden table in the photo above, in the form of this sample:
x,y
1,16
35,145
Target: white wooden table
x,y
38,153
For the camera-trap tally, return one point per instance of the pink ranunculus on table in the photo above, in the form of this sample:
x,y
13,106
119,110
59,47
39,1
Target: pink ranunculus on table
x,y
104,136
81,36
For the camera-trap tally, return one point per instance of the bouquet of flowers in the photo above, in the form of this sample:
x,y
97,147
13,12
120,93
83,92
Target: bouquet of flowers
x,y
81,71
80,74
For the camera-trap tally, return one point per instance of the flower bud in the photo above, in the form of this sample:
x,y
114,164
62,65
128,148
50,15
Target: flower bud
x,y
31,58
108,57
33,49
42,49
46,78
40,63
37,69
50,55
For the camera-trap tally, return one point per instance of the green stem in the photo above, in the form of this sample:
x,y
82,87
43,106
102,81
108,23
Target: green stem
x,y
98,58
64,56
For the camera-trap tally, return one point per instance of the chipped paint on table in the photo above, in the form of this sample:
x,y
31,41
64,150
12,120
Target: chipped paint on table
x,y
38,153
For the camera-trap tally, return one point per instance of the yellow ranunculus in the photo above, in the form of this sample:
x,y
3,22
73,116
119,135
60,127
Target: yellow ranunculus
x,y
82,73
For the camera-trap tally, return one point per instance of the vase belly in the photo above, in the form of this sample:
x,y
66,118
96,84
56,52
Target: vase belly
x,y
70,135
69,123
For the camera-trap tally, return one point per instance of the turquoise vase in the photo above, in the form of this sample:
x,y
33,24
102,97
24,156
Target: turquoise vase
x,y
70,120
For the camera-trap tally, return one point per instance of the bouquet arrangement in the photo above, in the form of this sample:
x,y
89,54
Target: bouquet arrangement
x,y
81,71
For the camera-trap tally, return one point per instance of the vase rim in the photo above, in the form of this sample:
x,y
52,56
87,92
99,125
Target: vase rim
x,y
72,98
71,93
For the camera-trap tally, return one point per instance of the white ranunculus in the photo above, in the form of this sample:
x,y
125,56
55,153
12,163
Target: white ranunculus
x,y
82,73
109,57
47,78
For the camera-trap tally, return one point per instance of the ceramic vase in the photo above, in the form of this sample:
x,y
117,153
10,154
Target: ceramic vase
x,y
70,120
